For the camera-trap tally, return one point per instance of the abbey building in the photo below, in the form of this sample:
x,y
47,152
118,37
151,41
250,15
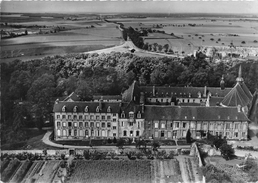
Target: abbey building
x,y
153,112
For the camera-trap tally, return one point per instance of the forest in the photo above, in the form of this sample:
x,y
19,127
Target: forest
x,y
29,89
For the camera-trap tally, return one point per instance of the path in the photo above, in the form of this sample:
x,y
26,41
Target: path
x,y
46,140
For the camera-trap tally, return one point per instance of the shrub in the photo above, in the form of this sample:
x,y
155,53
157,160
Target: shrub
x,y
212,39
255,41
227,151
243,42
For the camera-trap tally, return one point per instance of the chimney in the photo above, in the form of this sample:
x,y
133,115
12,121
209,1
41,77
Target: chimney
x,y
205,91
238,108
153,90
222,83
142,108
57,101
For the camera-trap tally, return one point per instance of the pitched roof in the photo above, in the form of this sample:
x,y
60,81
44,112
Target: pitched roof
x,y
193,113
253,112
161,91
72,97
131,92
237,96
132,107
92,106
107,97
215,100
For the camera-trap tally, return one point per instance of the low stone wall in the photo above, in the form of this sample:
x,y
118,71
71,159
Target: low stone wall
x,y
195,152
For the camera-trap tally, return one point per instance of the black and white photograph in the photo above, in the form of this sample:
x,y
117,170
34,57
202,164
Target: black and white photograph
x,y
129,91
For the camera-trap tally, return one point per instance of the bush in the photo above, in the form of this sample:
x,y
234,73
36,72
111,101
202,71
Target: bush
x,y
255,41
243,42
227,151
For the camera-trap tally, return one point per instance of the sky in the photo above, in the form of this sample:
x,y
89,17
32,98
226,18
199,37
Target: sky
x,y
131,6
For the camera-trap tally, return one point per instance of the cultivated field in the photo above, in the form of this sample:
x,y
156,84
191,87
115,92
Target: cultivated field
x,y
199,31
43,39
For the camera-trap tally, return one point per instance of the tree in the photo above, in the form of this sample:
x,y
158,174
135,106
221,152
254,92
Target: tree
x,y
26,32
188,137
120,143
166,46
155,146
227,151
114,140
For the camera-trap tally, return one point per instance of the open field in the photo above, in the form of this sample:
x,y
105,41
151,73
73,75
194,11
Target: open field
x,y
73,37
199,31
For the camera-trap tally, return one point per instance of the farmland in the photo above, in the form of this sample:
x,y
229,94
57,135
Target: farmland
x,y
55,36
198,31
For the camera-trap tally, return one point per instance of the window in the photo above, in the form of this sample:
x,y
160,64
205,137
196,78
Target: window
x,y
243,134
91,117
125,133
91,124
114,127
139,124
114,134
75,133
114,119
69,116
177,124
80,117
156,125
74,116
198,126
70,132
86,117
184,125
171,125
139,115
108,125
131,114
162,125
108,117
64,133
97,125
97,117
97,109
211,126
114,114
123,115
122,123
63,116
227,126
237,126
204,126
86,133
103,117
236,134
64,108
80,124
130,123
137,133
86,124
58,124
64,123
58,133
75,124
92,132
58,117
162,134
75,109
108,109
103,125
243,126
81,133
69,124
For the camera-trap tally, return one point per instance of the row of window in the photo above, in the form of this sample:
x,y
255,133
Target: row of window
x,y
86,117
131,133
204,126
86,109
124,124
85,133
85,124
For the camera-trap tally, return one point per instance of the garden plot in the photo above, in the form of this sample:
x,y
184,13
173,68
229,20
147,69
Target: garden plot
x,y
108,171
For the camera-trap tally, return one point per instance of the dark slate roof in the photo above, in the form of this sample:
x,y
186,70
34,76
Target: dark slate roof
x,y
132,107
182,91
253,112
246,90
131,92
215,100
237,96
107,97
92,106
72,96
193,113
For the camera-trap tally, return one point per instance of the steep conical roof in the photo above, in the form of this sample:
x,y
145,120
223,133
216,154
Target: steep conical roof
x,y
253,112
237,96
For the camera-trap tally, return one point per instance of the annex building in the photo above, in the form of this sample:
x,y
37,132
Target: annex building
x,y
156,113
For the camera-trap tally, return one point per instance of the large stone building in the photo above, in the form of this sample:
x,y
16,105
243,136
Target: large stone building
x,y
156,112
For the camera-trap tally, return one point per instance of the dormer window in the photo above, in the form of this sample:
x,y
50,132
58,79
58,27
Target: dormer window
x,y
123,115
109,109
131,114
75,109
64,108
86,109
97,109
139,115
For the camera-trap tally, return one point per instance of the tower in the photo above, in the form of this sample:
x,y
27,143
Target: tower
x,y
239,79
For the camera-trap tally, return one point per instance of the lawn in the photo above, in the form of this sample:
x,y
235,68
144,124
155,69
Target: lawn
x,y
108,171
